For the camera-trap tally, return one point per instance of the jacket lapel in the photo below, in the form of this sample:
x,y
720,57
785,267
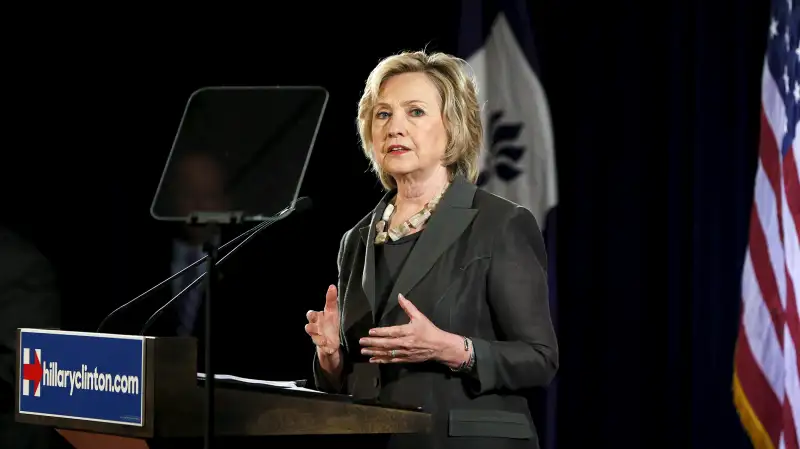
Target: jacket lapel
x,y
451,218
368,238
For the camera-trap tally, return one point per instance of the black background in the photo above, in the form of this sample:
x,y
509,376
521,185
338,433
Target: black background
x,y
655,111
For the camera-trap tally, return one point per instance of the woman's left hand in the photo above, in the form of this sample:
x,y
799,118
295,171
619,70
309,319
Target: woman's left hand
x,y
418,341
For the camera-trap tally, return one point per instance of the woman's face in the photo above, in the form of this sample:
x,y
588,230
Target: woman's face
x,y
408,131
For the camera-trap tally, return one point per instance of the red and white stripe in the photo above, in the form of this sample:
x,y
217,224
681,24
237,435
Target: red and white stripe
x,y
767,384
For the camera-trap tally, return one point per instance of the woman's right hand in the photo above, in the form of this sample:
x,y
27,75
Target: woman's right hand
x,y
323,327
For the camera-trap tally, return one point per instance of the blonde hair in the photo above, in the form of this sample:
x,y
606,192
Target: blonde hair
x,y
460,109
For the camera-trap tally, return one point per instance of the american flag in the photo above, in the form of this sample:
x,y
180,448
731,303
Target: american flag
x,y
766,386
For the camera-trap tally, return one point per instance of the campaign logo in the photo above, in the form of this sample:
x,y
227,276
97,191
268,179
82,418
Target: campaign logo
x,y
31,372
37,373
77,375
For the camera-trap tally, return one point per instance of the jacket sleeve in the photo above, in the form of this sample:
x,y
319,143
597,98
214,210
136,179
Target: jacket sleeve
x,y
526,353
321,381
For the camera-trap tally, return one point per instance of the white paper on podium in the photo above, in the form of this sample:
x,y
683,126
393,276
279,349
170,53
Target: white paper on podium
x,y
283,384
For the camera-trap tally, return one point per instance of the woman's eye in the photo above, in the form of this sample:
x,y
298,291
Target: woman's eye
x,y
417,112
382,115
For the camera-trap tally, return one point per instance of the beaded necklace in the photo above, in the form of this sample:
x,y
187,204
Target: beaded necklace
x,y
403,229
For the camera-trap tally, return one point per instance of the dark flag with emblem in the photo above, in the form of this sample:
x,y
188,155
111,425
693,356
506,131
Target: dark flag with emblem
x,y
519,162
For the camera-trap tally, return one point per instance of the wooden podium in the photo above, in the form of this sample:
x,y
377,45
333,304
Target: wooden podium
x,y
174,409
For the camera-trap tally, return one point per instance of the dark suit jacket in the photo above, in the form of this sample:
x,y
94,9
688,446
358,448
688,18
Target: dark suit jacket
x,y
477,270
155,266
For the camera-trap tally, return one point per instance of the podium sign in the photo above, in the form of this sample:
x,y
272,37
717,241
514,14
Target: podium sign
x,y
84,376
89,412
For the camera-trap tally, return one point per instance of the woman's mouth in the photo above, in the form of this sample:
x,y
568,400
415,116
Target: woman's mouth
x,y
397,149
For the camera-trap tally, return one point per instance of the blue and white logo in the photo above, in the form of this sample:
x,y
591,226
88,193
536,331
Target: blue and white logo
x,y
96,377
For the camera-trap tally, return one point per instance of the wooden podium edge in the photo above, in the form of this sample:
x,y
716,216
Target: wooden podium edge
x,y
89,440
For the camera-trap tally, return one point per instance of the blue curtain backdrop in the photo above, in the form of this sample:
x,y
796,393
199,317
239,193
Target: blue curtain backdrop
x,y
656,126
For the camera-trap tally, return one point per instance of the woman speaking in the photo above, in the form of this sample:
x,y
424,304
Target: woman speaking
x,y
442,293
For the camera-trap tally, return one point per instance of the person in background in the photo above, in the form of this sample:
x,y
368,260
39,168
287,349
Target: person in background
x,y
29,297
196,183
442,296
199,186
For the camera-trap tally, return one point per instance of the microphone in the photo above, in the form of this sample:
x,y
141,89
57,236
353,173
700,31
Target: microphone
x,y
301,204
297,206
